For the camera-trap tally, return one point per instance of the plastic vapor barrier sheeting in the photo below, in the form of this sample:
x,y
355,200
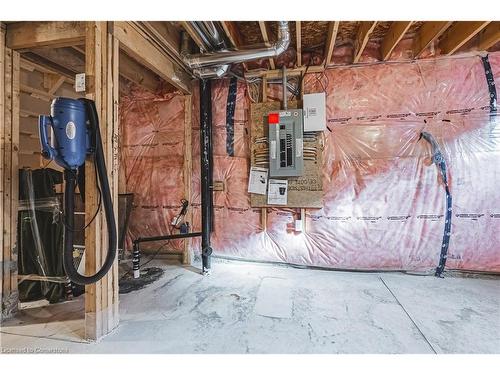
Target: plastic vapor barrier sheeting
x,y
151,161
384,199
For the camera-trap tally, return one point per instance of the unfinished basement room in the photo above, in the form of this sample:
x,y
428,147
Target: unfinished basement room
x,y
272,183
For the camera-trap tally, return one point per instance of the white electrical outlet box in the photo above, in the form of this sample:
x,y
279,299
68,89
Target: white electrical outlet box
x,y
314,112
80,82
298,225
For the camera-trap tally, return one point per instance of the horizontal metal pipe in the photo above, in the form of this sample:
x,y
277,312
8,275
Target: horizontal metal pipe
x,y
243,55
211,71
168,237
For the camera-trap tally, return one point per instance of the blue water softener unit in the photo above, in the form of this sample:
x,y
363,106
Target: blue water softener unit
x,y
76,137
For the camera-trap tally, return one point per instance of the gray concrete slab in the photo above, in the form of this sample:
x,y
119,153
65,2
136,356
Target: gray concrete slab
x,y
233,311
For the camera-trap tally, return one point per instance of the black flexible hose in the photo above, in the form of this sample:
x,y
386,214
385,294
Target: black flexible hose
x,y
69,208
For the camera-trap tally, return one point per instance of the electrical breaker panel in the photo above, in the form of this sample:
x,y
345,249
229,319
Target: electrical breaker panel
x,y
286,129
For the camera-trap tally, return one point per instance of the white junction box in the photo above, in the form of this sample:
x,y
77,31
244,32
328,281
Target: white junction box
x,y
314,112
80,82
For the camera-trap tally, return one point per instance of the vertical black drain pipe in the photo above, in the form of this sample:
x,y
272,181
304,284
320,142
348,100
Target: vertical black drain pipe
x,y
206,174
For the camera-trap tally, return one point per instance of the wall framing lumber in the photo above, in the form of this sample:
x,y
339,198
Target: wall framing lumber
x,y
277,73
142,50
101,298
134,72
24,35
298,43
9,178
459,34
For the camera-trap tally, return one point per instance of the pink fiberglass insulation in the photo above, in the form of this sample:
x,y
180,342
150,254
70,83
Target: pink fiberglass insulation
x,y
384,201
151,160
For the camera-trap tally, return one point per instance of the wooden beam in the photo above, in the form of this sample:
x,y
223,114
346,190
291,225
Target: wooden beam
x,y
364,31
133,71
139,48
57,84
24,35
265,36
395,33
166,34
459,34
277,73
2,146
428,33
44,95
298,43
263,210
93,308
489,36
101,298
114,48
333,29
194,35
9,174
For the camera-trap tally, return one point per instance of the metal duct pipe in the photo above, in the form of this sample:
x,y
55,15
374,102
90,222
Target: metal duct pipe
x,y
211,72
239,56
213,39
209,33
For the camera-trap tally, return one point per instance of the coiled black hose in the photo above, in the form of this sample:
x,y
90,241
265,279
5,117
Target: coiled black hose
x,y
69,208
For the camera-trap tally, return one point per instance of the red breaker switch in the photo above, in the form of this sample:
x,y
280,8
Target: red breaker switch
x,y
273,118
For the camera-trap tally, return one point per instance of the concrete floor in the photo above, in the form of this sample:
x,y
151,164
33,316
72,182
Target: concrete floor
x,y
249,308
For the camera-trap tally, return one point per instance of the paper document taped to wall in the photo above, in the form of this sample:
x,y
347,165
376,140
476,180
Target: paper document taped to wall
x,y
257,183
278,192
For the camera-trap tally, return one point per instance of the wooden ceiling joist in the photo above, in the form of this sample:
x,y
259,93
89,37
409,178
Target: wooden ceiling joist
x,y
24,35
298,42
134,72
428,33
193,34
74,60
232,33
333,29
166,34
234,36
489,36
364,31
395,33
148,55
265,37
459,34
